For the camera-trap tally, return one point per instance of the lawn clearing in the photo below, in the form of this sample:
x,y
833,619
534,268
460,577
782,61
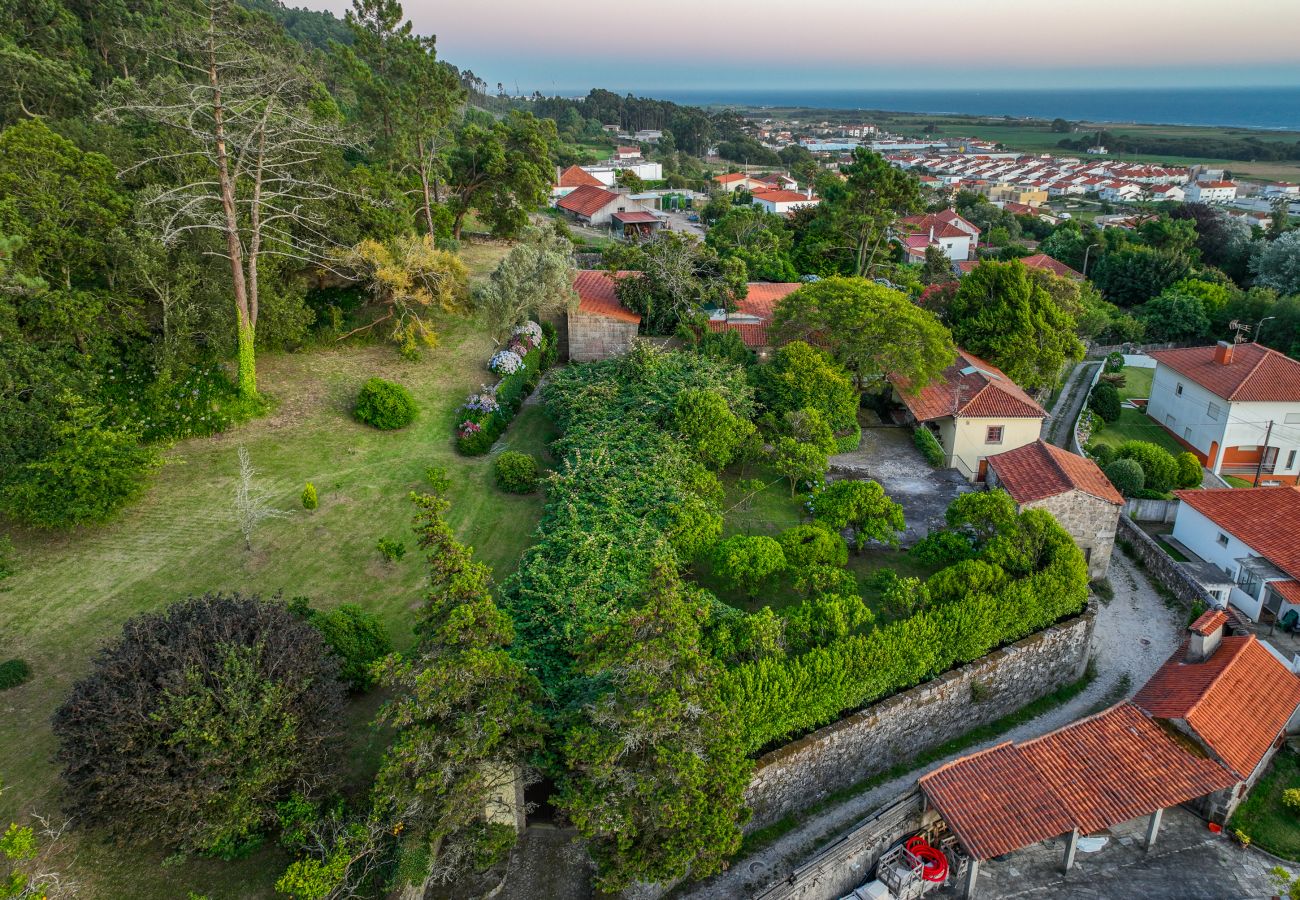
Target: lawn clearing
x,y
1269,824
1135,425
1137,382
74,590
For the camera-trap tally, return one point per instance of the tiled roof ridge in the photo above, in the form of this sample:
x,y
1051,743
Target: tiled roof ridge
x,y
974,755
1243,647
1251,374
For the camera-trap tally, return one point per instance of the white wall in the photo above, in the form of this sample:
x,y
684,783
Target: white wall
x,y
965,440
1189,410
1201,536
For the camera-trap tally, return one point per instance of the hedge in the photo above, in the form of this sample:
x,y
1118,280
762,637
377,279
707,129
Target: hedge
x,y
929,446
510,393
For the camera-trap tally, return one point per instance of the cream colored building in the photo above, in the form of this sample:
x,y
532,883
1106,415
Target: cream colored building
x,y
975,411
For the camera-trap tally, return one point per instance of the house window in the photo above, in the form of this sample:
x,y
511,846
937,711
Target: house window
x,y
993,435
1169,420
1222,539
1179,389
1290,460
1212,410
1249,582
1293,418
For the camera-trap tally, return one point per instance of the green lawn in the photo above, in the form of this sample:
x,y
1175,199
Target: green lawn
x,y
74,590
1270,825
1137,382
1135,425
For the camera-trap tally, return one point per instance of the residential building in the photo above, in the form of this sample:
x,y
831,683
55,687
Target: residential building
x,y
1236,406
1045,263
753,314
1253,536
776,181
600,326
1275,189
783,203
622,153
1072,488
1211,191
1199,733
591,205
735,181
1171,193
1096,150
573,177
975,411
953,235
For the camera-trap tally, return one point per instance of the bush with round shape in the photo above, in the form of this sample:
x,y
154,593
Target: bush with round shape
x,y
386,405
1158,465
1189,470
357,637
745,562
1105,401
812,545
1102,454
1291,800
198,720
1126,475
309,498
820,620
13,672
515,472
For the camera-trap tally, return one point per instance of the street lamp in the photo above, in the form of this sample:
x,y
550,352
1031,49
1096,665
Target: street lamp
x,y
1260,323
1085,258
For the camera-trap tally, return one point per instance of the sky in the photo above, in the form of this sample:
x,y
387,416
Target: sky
x,y
863,44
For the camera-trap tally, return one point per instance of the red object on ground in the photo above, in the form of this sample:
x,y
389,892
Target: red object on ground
x,y
1215,827
934,863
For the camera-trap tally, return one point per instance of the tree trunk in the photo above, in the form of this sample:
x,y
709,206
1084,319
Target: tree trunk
x,y
424,184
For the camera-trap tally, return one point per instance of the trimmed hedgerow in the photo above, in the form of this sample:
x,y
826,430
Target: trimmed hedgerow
x,y
486,415
386,405
929,446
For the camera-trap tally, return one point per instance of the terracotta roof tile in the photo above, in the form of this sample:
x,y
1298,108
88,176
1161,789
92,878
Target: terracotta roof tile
x,y
586,200
576,176
1047,264
784,197
1288,590
635,217
754,334
1256,373
730,177
598,294
1039,470
763,296
1238,701
1266,519
972,387
1209,621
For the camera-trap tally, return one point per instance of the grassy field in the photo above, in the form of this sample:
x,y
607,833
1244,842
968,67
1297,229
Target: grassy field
x,y
1135,425
1137,383
1270,825
74,590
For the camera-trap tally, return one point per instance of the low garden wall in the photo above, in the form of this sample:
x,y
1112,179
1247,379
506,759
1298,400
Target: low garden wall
x,y
885,734
1141,510
1161,566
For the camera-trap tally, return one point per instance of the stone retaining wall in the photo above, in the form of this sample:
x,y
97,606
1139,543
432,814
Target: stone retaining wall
x,y
1161,566
893,731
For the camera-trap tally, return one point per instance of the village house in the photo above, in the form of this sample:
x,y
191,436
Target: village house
x,y
1275,189
955,237
776,181
1252,535
600,326
1070,487
736,181
590,205
1211,191
1236,406
753,314
975,411
1198,734
1045,263
622,153
1171,193
783,203
571,178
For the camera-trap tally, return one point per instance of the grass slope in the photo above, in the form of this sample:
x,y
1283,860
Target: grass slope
x,y
1135,425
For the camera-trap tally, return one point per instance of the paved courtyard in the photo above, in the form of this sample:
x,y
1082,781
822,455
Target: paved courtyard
x,y
1186,863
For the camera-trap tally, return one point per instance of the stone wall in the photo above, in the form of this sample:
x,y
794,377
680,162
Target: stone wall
x,y
1090,520
1161,566
598,337
893,731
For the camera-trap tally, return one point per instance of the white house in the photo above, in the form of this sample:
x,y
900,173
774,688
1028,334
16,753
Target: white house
x,y
1251,535
1170,192
1120,191
622,153
1275,189
784,202
1211,191
590,205
953,235
608,174
1236,406
736,181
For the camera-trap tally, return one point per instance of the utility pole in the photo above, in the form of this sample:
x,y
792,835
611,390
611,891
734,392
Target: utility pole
x,y
1085,259
1263,452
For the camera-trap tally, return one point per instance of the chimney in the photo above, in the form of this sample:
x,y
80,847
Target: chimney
x,y
931,234
1223,353
808,192
1207,633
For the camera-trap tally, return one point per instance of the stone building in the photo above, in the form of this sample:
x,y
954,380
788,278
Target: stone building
x,y
600,326
1071,488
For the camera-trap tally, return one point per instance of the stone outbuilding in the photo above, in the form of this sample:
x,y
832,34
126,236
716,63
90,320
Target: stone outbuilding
x,y
600,326
1071,488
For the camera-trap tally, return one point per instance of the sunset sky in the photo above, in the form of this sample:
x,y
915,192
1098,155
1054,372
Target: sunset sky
x,y
671,44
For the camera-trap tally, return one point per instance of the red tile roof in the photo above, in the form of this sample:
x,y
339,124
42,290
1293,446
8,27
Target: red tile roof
x,y
730,177
1288,590
1047,264
587,200
972,388
636,150
754,334
1209,622
1238,701
1266,519
784,197
635,217
598,295
763,296
1256,373
1039,470
576,176
1090,775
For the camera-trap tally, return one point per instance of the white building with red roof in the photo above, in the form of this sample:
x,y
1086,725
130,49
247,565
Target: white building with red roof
x,y
782,202
1211,191
952,234
752,315
591,205
1236,406
735,181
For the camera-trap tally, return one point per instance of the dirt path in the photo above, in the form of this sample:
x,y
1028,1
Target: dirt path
x,y
1135,633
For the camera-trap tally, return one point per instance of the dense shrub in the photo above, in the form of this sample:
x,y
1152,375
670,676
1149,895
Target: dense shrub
x,y
1158,464
13,672
802,377
1102,454
812,545
309,499
746,562
198,720
487,414
929,446
942,548
1189,470
1105,401
1291,800
357,637
1114,362
515,472
823,619
1126,475
391,549
385,405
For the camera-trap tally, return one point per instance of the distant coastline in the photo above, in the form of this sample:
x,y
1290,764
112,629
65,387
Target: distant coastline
x,y
1267,108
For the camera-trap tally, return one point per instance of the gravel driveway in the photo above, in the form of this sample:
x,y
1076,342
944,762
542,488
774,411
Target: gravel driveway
x,y
1135,633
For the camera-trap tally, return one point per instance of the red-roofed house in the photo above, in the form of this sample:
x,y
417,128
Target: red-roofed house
x,y
1045,263
571,178
627,153
1211,191
593,205
752,315
600,326
1253,536
1236,406
1073,489
783,202
735,181
946,230
975,410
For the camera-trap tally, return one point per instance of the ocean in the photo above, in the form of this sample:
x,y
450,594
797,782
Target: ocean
x,y
1257,107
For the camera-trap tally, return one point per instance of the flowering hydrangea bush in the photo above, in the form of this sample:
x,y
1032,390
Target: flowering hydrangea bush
x,y
519,348
529,332
506,362
469,428
484,401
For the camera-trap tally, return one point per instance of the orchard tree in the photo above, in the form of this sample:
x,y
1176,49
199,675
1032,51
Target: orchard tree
x,y
655,773
862,506
871,330
982,515
746,562
799,462
239,108
535,279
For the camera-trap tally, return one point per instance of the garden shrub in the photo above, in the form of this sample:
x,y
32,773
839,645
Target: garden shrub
x,y
1105,401
822,581
391,549
357,637
824,619
515,472
1158,464
812,545
746,562
1126,475
1114,361
309,499
929,446
13,672
487,413
1291,799
1102,454
942,548
386,405
1189,470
